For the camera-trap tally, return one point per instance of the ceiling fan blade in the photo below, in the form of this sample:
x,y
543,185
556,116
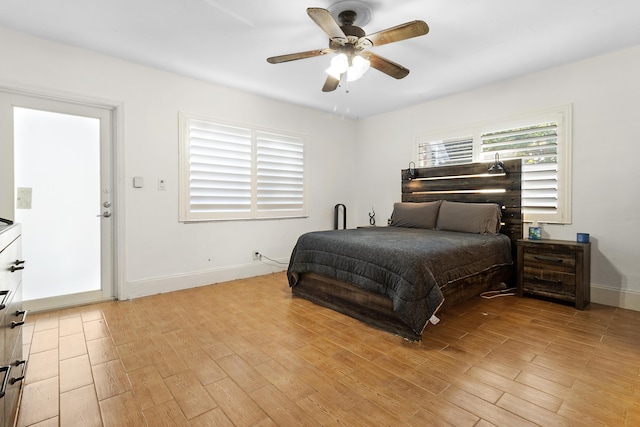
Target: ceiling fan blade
x,y
388,67
401,32
330,84
299,55
325,21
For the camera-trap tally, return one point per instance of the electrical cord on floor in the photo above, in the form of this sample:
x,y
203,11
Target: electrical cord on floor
x,y
500,293
279,263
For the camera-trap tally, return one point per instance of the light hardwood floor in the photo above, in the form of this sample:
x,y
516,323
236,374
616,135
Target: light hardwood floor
x,y
248,353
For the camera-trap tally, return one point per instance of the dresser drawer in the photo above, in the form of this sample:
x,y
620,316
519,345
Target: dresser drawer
x,y
12,324
10,270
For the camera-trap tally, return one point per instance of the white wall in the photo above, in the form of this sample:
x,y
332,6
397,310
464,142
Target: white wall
x,y
604,92
157,252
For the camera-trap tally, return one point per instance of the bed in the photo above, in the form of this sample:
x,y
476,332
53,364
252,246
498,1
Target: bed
x,y
443,246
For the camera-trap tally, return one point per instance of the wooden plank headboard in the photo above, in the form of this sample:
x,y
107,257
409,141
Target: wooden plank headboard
x,y
471,183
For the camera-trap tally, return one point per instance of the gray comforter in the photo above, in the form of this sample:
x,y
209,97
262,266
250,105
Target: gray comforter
x,y
407,265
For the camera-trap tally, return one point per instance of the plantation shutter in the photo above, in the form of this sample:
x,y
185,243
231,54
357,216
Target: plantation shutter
x,y
537,146
219,170
231,172
280,174
449,152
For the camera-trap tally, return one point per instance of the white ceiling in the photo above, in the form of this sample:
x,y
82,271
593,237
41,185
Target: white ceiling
x,y
470,43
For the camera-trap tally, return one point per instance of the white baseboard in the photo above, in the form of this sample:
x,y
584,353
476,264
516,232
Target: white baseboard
x,y
159,285
615,297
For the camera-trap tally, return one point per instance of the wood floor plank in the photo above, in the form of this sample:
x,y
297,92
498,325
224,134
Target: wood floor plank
x,y
70,325
79,407
110,379
148,387
44,340
205,368
40,401
46,321
72,345
517,389
74,373
241,409
167,414
280,407
95,329
214,417
242,373
101,350
483,409
284,380
121,410
190,394
134,355
42,365
425,417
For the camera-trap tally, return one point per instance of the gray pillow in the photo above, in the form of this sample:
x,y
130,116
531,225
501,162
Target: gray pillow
x,y
469,217
415,215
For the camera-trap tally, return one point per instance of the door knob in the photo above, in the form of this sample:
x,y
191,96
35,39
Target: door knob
x,y
105,214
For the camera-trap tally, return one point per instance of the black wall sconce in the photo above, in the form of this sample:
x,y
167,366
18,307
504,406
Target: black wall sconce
x,y
497,167
411,173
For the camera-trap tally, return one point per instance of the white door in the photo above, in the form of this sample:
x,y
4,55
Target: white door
x,y
63,197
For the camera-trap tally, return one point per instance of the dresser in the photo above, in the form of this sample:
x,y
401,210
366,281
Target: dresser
x,y
557,269
12,317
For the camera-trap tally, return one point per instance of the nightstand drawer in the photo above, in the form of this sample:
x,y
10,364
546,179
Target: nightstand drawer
x,y
537,280
556,260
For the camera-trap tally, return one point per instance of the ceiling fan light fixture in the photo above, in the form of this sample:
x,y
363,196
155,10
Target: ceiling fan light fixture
x,y
358,67
339,65
354,67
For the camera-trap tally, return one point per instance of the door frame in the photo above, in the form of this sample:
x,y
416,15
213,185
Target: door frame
x,y
117,169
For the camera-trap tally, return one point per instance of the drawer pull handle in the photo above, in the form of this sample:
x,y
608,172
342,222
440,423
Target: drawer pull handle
x,y
21,322
4,293
540,279
13,268
549,258
6,370
17,363
18,262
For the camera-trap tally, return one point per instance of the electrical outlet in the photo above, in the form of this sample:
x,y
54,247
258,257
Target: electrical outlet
x,y
256,255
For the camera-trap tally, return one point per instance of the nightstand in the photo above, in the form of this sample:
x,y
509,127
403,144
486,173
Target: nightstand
x,y
558,269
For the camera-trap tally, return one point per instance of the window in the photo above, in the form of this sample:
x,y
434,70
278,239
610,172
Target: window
x,y
440,152
541,140
232,172
537,146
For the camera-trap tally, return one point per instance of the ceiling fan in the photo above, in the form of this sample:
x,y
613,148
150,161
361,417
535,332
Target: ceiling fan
x,y
350,43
